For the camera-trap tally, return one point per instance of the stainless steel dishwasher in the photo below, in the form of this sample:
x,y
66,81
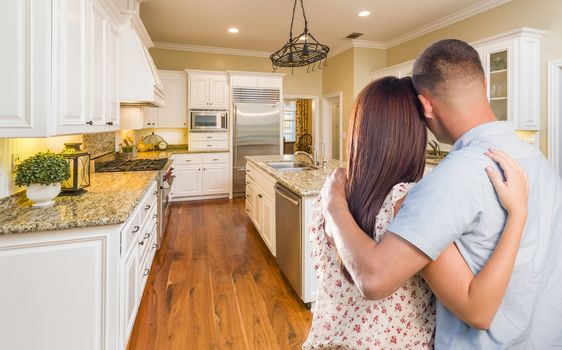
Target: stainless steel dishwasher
x,y
288,223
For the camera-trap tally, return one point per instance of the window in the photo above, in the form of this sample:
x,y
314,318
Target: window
x,y
289,121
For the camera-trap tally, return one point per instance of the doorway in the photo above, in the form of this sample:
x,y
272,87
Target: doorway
x,y
555,113
332,124
301,123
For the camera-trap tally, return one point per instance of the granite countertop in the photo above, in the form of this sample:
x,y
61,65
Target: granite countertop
x,y
167,153
304,183
110,199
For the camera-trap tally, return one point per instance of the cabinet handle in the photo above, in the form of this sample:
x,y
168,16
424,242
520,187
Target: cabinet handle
x,y
188,160
90,122
248,210
155,193
147,207
209,137
109,123
155,245
215,159
136,229
184,124
247,182
198,169
154,216
146,272
204,169
209,145
146,235
259,195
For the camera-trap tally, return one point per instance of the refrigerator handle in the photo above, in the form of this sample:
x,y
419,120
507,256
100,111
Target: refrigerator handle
x,y
234,130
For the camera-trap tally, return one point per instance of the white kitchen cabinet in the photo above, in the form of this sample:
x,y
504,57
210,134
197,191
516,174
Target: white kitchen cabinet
x,y
57,67
260,204
511,64
400,71
201,175
208,90
256,80
188,181
113,74
129,299
215,178
174,112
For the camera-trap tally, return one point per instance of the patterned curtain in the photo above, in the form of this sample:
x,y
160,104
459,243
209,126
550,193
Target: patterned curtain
x,y
303,118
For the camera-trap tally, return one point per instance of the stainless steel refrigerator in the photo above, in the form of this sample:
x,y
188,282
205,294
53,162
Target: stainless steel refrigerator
x,y
257,132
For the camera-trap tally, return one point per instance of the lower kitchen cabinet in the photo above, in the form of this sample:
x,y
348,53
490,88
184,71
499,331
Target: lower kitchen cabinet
x,y
201,175
77,288
260,204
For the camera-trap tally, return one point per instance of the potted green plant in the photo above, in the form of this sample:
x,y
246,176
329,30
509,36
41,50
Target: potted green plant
x,y
42,175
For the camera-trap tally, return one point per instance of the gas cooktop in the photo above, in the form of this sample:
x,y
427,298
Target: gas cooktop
x,y
132,165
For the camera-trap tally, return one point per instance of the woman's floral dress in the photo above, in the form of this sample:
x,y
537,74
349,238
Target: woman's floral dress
x,y
344,319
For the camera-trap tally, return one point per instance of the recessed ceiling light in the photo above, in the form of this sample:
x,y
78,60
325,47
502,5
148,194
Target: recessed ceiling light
x,y
363,13
233,30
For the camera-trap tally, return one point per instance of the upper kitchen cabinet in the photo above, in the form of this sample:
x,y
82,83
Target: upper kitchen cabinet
x,y
256,80
400,71
208,90
512,67
174,112
59,68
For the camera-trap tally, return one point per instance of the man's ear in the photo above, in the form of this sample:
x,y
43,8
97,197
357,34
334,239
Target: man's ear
x,y
427,106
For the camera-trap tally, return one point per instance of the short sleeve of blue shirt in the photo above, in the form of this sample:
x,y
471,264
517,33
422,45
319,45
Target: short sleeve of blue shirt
x,y
442,206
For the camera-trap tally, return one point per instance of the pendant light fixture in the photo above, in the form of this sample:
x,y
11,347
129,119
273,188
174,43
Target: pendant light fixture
x,y
301,50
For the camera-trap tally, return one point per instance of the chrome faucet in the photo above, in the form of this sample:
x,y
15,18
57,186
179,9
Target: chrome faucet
x,y
435,147
313,158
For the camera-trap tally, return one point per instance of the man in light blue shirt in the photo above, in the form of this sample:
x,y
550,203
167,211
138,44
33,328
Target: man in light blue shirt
x,y
456,203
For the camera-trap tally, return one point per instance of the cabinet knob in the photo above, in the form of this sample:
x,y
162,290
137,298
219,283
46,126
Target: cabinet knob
x,y
215,159
109,123
146,235
90,123
147,207
155,193
155,245
209,137
204,169
146,272
141,242
154,216
259,195
209,145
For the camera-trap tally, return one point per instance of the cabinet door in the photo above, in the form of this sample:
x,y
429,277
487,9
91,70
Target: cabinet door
x,y
218,94
98,61
215,179
258,210
198,91
150,117
268,223
113,78
250,200
129,297
188,181
70,75
173,114
497,60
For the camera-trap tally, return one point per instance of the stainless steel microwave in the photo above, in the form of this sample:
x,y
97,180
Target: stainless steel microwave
x,y
209,120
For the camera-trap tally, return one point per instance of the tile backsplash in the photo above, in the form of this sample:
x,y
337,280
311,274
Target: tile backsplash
x,y
98,144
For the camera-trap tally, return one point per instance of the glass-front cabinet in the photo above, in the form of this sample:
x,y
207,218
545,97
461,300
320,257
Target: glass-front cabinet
x,y
512,68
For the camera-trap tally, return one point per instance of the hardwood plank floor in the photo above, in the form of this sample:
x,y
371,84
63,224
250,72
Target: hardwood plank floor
x,y
214,285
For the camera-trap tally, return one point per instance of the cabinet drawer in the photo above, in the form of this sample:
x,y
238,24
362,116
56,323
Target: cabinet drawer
x,y
208,136
180,159
206,145
216,158
144,240
130,232
148,207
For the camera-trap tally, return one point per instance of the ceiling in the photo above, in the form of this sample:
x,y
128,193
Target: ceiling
x,y
264,24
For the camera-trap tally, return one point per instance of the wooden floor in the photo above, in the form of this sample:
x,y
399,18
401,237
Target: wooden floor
x,y
214,285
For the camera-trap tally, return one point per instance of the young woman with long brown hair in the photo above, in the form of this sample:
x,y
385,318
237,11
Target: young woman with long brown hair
x,y
386,157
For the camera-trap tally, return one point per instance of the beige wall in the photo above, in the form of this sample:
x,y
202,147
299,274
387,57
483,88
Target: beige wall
x,y
298,83
540,14
366,61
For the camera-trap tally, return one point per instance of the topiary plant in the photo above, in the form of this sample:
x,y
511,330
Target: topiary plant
x,y
44,168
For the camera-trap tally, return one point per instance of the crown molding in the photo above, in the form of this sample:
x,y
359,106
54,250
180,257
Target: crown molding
x,y
369,44
446,21
210,49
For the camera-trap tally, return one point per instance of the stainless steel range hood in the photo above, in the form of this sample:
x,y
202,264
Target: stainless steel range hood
x,y
140,84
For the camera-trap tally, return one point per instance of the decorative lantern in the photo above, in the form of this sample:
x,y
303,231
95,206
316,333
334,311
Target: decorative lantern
x,y
79,162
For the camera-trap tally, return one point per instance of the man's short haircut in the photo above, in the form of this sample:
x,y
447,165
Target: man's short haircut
x,y
445,64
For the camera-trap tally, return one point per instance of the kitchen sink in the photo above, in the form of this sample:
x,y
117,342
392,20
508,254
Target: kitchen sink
x,y
291,166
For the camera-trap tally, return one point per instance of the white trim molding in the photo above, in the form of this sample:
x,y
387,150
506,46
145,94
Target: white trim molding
x,y
458,16
210,49
554,72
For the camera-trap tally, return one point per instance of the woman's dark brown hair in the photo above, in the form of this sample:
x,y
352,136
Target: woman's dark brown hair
x,y
386,146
